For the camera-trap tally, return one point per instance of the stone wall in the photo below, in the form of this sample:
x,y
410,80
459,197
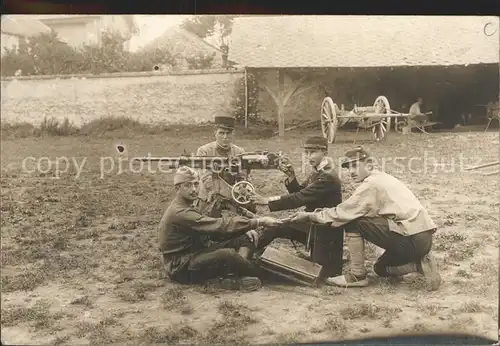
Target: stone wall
x,y
176,98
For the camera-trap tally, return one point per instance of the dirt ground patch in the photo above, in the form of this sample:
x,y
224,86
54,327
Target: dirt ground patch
x,y
80,262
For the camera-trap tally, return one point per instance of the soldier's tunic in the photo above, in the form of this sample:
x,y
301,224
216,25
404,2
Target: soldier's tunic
x,y
383,211
322,189
206,202
184,235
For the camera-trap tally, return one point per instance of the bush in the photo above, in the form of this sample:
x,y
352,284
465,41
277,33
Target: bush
x,y
145,61
46,54
19,130
48,127
238,100
52,127
110,123
200,61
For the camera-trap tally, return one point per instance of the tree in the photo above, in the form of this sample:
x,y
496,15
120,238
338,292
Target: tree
x,y
107,57
43,54
205,26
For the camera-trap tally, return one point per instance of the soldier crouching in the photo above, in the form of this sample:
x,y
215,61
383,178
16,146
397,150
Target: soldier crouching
x,y
185,233
385,212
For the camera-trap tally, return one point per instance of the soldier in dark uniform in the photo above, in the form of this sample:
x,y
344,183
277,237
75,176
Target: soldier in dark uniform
x,y
322,189
223,146
184,235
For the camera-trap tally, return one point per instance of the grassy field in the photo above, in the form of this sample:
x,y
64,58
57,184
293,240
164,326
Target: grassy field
x,y
80,262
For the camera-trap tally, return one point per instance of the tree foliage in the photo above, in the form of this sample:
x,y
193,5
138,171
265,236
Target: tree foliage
x,y
43,54
200,61
46,54
238,99
206,26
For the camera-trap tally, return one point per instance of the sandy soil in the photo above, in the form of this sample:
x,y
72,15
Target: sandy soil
x,y
80,262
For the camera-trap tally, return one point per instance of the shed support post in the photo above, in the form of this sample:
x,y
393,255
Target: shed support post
x,y
246,99
281,96
281,103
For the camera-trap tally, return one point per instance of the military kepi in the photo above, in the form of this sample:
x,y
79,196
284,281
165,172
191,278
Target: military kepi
x,y
315,142
354,155
185,174
225,122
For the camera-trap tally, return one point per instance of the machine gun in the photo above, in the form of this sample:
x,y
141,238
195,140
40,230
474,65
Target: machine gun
x,y
231,188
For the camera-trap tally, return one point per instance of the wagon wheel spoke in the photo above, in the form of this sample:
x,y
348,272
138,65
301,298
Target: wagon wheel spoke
x,y
382,106
328,119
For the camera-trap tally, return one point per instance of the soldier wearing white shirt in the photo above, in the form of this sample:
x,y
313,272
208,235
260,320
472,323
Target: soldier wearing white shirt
x,y
416,111
383,211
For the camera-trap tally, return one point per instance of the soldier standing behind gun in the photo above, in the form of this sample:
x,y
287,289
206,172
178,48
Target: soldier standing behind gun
x,y
223,147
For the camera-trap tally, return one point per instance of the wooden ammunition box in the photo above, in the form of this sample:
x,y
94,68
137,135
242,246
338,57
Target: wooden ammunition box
x,y
290,267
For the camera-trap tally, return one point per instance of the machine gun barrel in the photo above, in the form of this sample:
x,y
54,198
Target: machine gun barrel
x,y
254,160
190,161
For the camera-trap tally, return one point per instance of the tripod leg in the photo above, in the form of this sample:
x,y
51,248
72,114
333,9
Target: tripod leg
x,y
356,135
489,122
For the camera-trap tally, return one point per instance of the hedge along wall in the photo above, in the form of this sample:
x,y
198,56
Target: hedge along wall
x,y
188,97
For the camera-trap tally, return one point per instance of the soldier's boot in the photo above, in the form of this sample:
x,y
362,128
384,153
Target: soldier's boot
x,y
244,283
427,266
356,276
395,273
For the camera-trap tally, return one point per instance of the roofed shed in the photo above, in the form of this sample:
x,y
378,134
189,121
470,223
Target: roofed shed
x,y
303,48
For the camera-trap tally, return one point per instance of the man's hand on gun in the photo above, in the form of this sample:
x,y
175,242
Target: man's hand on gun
x,y
286,167
258,199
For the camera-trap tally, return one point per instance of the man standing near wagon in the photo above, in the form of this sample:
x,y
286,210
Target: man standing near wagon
x,y
222,147
416,112
383,211
184,235
322,189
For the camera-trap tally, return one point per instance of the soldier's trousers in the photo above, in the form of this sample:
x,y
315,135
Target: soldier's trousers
x,y
326,243
399,249
219,260
297,233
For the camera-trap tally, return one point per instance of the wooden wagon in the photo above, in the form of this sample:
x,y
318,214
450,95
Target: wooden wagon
x,y
376,118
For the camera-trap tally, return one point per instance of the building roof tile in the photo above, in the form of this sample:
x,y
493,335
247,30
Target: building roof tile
x,y
363,41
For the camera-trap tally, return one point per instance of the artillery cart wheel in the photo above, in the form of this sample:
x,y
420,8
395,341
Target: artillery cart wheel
x,y
382,106
329,120
241,192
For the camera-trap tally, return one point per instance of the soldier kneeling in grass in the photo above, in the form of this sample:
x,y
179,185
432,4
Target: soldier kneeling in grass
x,y
385,212
185,241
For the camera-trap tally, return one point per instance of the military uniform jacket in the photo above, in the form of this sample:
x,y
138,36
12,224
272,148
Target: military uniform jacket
x,y
321,189
183,231
212,149
206,203
380,195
